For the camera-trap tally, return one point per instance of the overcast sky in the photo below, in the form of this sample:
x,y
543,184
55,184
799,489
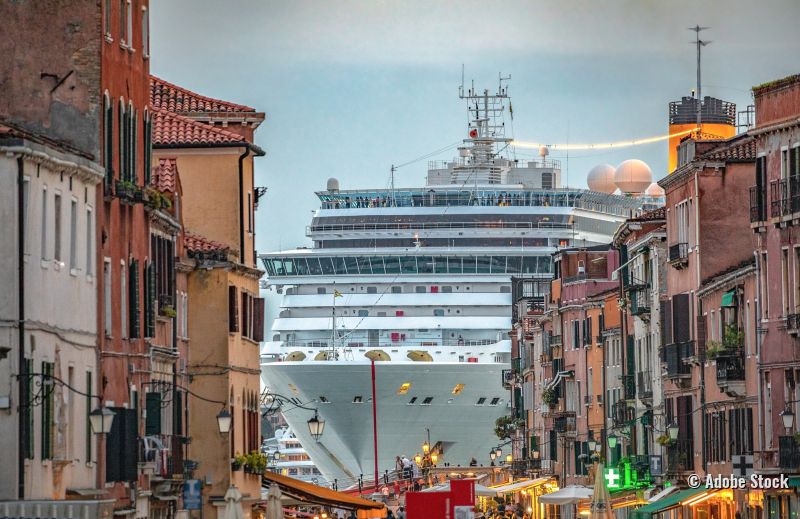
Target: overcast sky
x,y
351,87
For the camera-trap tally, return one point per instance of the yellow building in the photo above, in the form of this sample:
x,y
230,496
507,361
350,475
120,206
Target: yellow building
x,y
225,313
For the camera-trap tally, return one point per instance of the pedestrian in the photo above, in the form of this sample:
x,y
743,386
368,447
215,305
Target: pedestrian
x,y
390,515
407,467
398,465
401,513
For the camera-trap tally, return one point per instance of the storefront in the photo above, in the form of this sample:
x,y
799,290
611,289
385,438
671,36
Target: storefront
x,y
692,503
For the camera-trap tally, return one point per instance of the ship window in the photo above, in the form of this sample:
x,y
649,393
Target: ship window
x,y
505,289
498,264
372,290
324,400
412,401
381,314
327,266
481,401
495,401
363,313
450,400
408,265
397,290
404,387
340,266
322,290
458,389
447,289
314,267
420,290
514,264
427,401
440,265
469,264
351,264
363,265
357,399
392,264
425,264
438,312
454,265
484,264
377,265
547,180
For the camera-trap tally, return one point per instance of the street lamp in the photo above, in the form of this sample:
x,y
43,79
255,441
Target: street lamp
x,y
788,419
498,452
434,458
316,426
418,459
672,431
612,441
492,454
224,420
592,445
101,420
509,458
426,448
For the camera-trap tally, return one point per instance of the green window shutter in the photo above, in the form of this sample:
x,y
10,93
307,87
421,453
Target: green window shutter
x,y
123,130
28,410
89,432
148,148
109,141
132,146
149,300
152,425
133,299
47,411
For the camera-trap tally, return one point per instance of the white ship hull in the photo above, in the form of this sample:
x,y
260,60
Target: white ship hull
x,y
464,427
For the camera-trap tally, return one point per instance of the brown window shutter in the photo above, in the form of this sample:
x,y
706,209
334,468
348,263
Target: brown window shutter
x,y
258,319
233,310
245,315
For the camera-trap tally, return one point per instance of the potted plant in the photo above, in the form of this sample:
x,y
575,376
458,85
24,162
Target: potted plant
x,y
125,189
549,397
713,349
168,311
665,441
157,200
238,461
255,463
797,438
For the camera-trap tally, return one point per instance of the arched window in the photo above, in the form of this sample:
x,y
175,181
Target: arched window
x,y
132,122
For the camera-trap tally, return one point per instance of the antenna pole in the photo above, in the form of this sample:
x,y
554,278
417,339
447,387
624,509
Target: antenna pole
x,y
391,184
700,44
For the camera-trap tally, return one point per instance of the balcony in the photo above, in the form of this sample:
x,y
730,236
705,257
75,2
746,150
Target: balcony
x,y
564,424
128,192
622,414
555,340
640,302
793,324
680,457
758,204
788,453
679,255
644,383
784,197
675,356
730,375
628,387
164,454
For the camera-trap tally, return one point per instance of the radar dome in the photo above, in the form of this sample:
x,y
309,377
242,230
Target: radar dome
x,y
633,176
655,190
543,151
333,184
601,179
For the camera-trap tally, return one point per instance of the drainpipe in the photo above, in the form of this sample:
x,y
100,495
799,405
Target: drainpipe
x,y
756,326
22,380
698,312
241,203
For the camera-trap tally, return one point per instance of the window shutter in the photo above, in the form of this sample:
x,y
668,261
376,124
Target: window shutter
x,y
152,424
680,317
133,299
148,148
245,315
89,433
588,336
178,427
553,443
149,300
130,447
258,319
114,442
47,412
109,141
132,147
233,311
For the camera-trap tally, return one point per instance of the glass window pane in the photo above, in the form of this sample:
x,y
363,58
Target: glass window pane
x,y
514,264
544,264
377,265
339,266
301,266
484,265
392,264
314,268
351,264
269,267
440,265
498,264
425,264
469,264
363,265
454,265
529,265
288,266
327,265
408,264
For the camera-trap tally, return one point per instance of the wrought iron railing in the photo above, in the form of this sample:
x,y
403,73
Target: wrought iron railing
x,y
793,323
640,301
628,387
678,252
680,456
758,204
644,384
730,368
788,452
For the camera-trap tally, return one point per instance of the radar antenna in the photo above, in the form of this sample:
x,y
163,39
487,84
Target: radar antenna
x,y
700,44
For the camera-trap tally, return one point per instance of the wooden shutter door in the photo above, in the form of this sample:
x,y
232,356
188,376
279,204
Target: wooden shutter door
x,y
152,424
233,311
258,319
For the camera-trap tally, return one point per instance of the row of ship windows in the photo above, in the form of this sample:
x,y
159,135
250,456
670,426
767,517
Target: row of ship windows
x,y
428,400
419,289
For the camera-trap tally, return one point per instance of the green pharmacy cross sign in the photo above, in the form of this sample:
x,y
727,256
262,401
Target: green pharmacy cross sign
x,y
625,477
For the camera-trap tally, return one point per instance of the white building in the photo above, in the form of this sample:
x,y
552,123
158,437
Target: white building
x,y
48,303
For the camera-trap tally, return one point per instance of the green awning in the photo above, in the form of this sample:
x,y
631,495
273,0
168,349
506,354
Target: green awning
x,y
669,501
728,298
794,482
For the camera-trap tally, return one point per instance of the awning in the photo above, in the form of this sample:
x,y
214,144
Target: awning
x,y
519,485
729,298
480,490
317,495
670,501
567,495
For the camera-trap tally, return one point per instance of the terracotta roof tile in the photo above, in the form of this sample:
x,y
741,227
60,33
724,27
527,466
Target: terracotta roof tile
x,y
745,150
165,175
195,243
180,100
172,129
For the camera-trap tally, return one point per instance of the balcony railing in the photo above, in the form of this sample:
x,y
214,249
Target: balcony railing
x,y
793,324
622,414
628,387
640,301
730,368
758,204
680,457
165,452
675,355
564,424
784,196
679,254
788,452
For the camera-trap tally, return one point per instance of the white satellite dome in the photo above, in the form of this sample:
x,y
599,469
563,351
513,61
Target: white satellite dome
x,y
633,176
601,179
655,190
333,184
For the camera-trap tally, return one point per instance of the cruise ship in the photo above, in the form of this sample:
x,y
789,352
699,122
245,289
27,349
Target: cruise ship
x,y
418,281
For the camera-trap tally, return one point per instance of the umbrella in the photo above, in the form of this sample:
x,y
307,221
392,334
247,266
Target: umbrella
x,y
274,506
420,356
233,504
601,500
377,355
295,355
567,496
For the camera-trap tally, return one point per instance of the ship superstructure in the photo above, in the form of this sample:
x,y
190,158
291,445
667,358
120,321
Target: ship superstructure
x,y
420,280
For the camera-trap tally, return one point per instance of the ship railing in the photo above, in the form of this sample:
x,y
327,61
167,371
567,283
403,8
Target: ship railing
x,y
389,343
436,225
